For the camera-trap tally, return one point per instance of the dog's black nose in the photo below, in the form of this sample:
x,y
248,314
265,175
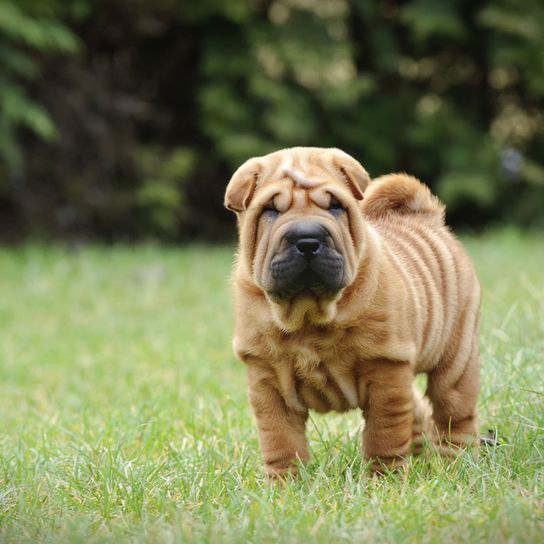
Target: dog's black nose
x,y
308,247
308,237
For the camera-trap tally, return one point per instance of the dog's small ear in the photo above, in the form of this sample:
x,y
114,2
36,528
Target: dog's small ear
x,y
242,186
355,176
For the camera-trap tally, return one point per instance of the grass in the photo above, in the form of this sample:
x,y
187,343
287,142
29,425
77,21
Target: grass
x,y
124,416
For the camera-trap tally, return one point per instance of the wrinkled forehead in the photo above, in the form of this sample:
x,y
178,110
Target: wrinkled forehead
x,y
291,179
303,170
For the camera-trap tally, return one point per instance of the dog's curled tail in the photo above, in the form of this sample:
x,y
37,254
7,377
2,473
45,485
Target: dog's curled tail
x,y
401,194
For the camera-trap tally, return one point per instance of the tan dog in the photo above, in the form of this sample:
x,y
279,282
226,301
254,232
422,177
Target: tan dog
x,y
344,290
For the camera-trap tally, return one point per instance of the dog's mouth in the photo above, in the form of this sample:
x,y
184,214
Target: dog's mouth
x,y
294,274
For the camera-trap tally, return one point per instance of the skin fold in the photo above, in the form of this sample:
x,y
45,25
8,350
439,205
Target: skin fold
x,y
344,315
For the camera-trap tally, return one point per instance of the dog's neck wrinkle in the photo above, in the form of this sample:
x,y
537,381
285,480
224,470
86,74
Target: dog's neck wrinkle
x,y
363,289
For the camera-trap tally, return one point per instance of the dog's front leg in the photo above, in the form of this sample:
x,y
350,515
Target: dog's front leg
x,y
282,430
389,411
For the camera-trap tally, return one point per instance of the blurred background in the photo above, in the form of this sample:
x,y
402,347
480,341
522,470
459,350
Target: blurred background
x,y
123,120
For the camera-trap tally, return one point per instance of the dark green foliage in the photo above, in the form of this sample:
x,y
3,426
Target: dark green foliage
x,y
26,25
131,115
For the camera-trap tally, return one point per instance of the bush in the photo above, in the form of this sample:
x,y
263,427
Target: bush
x,y
135,128
26,27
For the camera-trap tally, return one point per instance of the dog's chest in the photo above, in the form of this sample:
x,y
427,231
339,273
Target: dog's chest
x,y
318,376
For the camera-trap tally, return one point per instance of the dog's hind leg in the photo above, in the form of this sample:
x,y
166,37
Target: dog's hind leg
x,y
422,426
454,384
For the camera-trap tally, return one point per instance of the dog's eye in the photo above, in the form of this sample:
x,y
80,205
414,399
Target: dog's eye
x,y
270,208
335,207
270,211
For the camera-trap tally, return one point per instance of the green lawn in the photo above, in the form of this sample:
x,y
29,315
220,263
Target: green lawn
x,y
123,413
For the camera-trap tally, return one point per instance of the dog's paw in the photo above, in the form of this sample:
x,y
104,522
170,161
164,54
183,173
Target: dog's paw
x,y
280,473
490,439
381,466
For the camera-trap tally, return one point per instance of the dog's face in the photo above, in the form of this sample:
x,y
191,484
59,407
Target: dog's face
x,y
300,226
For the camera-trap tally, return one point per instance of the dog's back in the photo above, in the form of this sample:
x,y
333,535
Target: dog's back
x,y
441,285
431,264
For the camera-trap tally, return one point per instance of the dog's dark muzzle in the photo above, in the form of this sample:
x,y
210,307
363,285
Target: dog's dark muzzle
x,y
307,260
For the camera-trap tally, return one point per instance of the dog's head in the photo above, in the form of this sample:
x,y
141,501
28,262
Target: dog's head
x,y
301,228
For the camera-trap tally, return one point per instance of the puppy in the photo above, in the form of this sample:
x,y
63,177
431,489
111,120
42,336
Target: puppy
x,y
345,289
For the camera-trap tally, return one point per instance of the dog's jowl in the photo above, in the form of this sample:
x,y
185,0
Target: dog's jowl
x,y
345,289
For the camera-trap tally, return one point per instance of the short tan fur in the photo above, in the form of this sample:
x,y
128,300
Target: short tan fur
x,y
410,305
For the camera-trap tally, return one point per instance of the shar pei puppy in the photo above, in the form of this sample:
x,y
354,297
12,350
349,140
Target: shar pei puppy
x,y
345,289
